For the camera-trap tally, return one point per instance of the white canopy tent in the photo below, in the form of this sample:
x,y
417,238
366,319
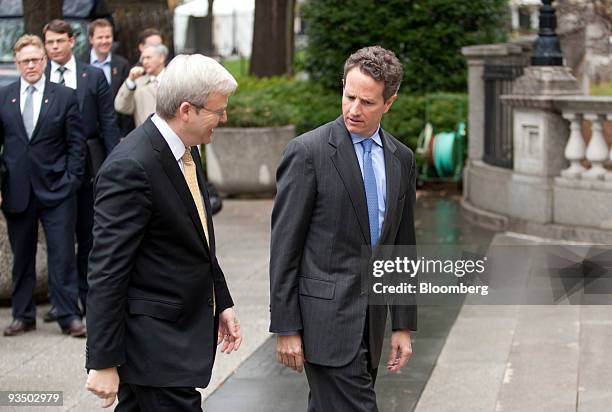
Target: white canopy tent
x,y
233,24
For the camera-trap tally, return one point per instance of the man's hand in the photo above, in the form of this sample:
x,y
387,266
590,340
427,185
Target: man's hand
x,y
104,383
401,350
289,352
229,331
136,72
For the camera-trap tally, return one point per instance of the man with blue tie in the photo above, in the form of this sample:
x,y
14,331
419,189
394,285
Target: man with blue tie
x,y
43,156
343,188
100,129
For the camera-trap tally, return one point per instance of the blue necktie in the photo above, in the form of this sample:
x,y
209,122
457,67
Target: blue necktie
x,y
369,180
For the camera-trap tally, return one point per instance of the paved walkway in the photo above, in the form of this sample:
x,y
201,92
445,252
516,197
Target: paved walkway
x,y
473,358
524,358
47,360
262,385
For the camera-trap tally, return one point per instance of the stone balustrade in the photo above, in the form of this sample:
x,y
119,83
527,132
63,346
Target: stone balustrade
x,y
596,110
559,185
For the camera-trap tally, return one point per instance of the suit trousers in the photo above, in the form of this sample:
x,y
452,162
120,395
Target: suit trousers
x,y
58,225
84,235
345,388
136,398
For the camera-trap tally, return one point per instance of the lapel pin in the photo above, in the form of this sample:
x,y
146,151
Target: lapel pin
x,y
114,71
13,100
46,100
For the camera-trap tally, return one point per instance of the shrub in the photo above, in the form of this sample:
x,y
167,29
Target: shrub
x,y
426,35
307,105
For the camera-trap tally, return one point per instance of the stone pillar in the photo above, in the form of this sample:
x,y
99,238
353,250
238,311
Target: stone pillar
x,y
540,137
475,56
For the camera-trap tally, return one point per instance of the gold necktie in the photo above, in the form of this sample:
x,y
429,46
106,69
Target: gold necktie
x,y
194,188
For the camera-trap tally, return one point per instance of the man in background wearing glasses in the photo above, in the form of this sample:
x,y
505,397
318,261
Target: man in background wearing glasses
x,y
43,157
138,93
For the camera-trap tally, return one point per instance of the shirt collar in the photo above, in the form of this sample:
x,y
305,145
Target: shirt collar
x,y
176,144
158,77
375,138
93,58
39,85
71,65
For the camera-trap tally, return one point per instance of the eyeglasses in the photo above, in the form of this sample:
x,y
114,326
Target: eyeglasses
x,y
27,62
219,113
58,41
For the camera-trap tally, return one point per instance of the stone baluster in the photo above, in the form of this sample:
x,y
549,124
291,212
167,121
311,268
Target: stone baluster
x,y
597,150
575,148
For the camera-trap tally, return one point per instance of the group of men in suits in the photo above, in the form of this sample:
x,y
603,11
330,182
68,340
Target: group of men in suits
x,y
61,147
158,301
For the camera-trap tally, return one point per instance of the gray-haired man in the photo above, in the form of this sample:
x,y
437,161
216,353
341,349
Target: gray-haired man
x,y
158,303
137,95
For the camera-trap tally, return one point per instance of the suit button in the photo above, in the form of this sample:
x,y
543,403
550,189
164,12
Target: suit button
x,y
210,302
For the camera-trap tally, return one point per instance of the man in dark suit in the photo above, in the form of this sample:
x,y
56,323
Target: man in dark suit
x,y
43,153
115,67
99,126
342,188
158,302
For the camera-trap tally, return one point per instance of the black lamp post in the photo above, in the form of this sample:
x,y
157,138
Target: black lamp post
x,y
547,50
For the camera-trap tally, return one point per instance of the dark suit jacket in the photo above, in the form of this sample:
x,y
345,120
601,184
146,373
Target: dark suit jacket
x,y
319,227
120,68
96,105
151,273
52,161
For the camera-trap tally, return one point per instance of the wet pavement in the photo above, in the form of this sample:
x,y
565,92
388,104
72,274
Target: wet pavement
x,y
465,357
262,385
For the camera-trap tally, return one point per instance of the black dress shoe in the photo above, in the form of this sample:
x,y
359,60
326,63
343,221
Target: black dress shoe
x,y
76,329
50,316
19,327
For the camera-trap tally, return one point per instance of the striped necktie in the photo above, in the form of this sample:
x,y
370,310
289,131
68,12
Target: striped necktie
x,y
61,71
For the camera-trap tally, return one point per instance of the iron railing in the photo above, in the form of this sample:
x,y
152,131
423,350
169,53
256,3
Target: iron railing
x,y
498,129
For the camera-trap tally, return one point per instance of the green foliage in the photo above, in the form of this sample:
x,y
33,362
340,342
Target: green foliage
x,y
602,89
409,114
426,35
237,67
279,101
259,103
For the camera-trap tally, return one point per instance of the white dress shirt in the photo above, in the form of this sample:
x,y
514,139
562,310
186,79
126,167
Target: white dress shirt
x,y
36,96
70,75
176,144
